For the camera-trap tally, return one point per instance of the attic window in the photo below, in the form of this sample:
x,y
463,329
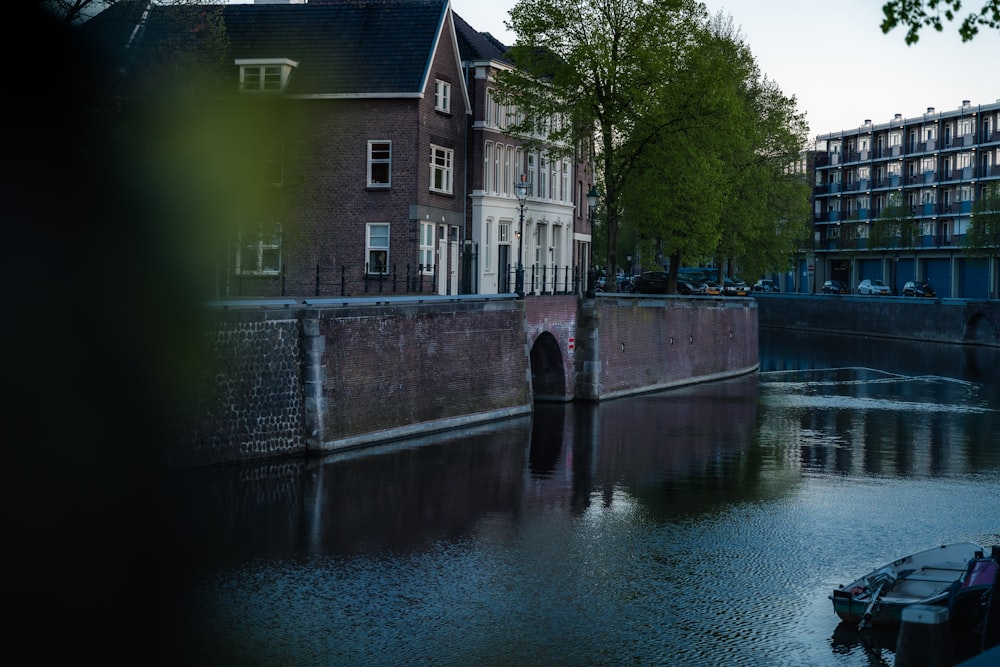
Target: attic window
x,y
265,75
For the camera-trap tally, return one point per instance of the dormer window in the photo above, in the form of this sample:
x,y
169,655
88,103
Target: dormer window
x,y
265,75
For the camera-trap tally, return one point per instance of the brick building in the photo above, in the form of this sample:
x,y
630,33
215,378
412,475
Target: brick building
x,y
374,157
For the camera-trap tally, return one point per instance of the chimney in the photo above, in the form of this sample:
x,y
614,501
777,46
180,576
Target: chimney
x,y
930,109
965,104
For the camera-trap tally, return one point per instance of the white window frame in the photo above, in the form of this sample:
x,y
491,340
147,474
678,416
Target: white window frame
x,y
259,253
379,153
442,96
377,241
427,248
442,163
265,75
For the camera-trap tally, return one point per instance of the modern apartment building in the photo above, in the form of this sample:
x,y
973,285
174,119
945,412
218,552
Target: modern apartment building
x,y
933,167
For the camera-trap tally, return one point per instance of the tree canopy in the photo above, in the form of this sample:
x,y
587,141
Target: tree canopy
x,y
915,15
691,144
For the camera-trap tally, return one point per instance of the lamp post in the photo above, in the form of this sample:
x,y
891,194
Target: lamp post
x,y
592,196
521,192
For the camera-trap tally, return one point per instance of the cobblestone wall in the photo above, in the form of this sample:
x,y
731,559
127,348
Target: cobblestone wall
x,y
250,405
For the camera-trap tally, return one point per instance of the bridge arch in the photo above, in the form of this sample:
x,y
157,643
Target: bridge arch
x,y
548,371
980,328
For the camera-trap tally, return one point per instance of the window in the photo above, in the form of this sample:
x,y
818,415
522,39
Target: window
x,y
442,165
272,167
426,248
442,96
264,75
259,252
497,169
543,176
965,126
487,246
377,247
379,163
508,171
488,167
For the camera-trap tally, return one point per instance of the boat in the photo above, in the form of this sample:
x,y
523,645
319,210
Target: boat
x,y
926,577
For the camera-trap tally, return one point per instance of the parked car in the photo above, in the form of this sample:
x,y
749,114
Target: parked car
x,y
874,286
835,287
650,282
690,289
918,288
713,288
734,287
765,285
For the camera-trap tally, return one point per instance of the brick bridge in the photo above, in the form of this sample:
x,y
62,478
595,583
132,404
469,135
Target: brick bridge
x,y
300,376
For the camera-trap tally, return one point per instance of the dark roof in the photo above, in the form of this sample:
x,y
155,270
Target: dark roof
x,y
342,47
474,45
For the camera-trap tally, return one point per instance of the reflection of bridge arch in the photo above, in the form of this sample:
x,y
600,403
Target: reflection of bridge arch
x,y
548,372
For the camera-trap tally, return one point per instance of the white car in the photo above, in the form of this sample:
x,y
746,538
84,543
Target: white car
x,y
874,287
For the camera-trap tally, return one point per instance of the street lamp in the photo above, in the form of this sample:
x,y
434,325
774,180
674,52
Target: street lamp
x,y
521,192
592,198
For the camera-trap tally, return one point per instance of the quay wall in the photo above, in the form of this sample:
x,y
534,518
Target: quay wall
x,y
648,343
957,321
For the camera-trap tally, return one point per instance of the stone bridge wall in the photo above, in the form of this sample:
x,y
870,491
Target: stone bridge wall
x,y
289,378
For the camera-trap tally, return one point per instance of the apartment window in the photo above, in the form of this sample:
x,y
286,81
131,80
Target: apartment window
x,y
379,163
377,247
442,96
442,167
964,126
259,251
488,108
264,75
833,232
426,250
532,168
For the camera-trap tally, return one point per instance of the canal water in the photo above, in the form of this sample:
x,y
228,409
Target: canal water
x,y
704,525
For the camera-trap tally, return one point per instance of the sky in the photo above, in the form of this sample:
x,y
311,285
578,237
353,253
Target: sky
x,y
833,58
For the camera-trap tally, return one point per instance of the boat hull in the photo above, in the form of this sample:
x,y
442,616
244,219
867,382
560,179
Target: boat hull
x,y
880,596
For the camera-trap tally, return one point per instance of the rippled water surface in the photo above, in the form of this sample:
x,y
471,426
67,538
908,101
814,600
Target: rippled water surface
x,y
705,525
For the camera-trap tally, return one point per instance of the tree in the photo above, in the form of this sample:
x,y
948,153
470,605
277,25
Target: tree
x,y
983,235
896,227
915,15
598,65
766,215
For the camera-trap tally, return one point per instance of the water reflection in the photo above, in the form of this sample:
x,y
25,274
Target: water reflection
x,y
697,526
